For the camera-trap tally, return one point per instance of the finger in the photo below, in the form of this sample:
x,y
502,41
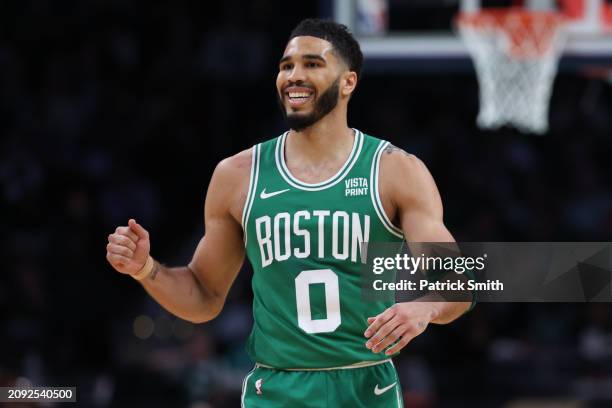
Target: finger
x,y
399,345
122,240
381,319
138,229
117,260
371,319
126,231
390,339
382,333
120,250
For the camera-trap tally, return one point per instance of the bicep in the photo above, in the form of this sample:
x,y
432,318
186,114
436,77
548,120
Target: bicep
x,y
219,256
420,205
220,253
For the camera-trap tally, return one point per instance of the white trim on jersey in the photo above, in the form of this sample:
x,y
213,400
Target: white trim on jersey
x,y
374,194
244,385
281,165
400,403
361,364
253,178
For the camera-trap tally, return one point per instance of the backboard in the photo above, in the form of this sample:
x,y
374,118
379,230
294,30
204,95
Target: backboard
x,y
419,35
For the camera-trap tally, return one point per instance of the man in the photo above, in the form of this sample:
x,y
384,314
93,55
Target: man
x,y
300,206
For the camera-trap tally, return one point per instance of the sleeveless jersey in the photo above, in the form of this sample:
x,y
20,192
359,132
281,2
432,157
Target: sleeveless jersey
x,y
304,243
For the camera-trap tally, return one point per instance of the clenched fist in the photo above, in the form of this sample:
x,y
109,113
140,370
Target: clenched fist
x,y
128,248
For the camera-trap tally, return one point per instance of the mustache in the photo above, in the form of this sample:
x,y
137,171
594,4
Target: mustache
x,y
298,83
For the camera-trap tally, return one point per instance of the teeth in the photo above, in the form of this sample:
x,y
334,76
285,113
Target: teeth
x,y
299,94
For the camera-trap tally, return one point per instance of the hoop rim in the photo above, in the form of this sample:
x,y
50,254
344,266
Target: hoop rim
x,y
530,33
516,52
498,15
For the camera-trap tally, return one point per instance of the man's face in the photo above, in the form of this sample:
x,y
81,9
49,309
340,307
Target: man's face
x,y
308,81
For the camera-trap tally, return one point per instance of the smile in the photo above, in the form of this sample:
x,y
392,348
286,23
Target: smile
x,y
298,96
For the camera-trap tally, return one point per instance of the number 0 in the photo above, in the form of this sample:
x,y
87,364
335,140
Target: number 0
x,y
332,300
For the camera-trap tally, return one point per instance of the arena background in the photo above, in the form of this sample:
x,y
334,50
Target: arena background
x,y
113,109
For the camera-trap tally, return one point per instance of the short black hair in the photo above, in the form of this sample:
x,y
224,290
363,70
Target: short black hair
x,y
338,35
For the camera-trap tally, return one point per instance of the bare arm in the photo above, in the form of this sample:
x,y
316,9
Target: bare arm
x,y
414,201
420,212
195,292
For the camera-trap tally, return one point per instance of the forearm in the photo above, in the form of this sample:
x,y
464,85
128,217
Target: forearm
x,y
446,312
442,310
179,291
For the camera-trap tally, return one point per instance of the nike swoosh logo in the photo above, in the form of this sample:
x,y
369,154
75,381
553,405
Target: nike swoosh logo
x,y
265,195
379,391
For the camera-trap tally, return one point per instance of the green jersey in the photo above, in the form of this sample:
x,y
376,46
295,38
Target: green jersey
x,y
304,243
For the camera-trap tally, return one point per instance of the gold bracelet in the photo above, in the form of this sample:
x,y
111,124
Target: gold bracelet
x,y
146,270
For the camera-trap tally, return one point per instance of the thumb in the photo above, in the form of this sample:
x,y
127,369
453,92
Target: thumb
x,y
138,229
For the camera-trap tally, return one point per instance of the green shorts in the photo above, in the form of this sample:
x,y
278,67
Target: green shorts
x,y
368,387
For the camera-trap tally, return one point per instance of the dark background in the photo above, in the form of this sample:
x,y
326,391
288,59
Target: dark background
x,y
112,109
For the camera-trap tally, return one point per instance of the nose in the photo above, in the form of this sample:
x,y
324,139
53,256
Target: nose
x,y
296,74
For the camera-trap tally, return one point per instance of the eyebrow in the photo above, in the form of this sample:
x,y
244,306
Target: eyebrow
x,y
305,56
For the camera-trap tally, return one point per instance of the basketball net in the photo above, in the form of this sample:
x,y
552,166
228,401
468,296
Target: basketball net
x,y
516,54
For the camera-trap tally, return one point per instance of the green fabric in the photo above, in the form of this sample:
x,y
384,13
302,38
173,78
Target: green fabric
x,y
353,388
303,241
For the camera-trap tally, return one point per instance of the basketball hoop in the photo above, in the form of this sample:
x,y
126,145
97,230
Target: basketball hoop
x,y
515,53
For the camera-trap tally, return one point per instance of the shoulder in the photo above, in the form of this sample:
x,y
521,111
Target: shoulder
x,y
393,157
229,184
404,178
397,161
239,165
235,166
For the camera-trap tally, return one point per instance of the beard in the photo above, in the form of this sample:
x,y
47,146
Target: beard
x,y
322,106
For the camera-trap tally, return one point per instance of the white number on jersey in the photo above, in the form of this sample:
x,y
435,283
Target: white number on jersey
x,y
332,300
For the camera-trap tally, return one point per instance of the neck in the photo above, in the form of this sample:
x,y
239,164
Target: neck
x,y
328,139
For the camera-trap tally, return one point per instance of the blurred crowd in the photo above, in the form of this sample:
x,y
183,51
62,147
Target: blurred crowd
x,y
112,109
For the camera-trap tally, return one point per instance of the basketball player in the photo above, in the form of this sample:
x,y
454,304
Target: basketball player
x,y
299,206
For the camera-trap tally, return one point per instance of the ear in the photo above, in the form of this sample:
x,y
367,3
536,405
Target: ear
x,y
349,82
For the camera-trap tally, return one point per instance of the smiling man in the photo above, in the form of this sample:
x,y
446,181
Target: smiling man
x,y
300,206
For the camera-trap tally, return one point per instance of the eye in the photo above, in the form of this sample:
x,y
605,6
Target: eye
x,y
312,65
286,67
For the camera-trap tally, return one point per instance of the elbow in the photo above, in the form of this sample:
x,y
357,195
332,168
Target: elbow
x,y
202,318
210,302
207,314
